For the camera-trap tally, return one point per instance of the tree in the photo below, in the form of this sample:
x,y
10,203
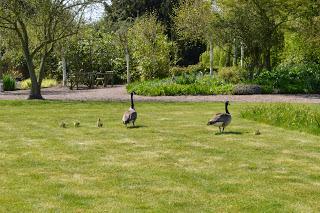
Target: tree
x,y
302,37
150,47
122,10
122,30
39,25
195,20
258,25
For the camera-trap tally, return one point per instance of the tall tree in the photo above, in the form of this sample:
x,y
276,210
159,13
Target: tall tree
x,y
150,47
258,24
39,25
195,19
120,10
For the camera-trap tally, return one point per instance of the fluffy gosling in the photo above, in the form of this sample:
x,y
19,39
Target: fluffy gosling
x,y
76,124
257,132
99,123
63,125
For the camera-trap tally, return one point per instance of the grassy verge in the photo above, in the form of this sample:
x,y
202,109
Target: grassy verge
x,y
291,116
181,86
172,162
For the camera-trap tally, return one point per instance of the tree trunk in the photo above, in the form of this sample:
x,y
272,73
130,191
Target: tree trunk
x,y
267,62
211,56
228,59
64,69
235,54
242,55
128,66
35,91
42,69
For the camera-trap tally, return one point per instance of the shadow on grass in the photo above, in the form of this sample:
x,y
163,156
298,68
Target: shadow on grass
x,y
229,133
136,127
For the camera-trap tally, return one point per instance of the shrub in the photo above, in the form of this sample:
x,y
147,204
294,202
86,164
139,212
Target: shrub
x,y
197,68
26,84
197,86
232,74
176,71
290,116
298,78
185,79
150,48
191,69
9,83
247,89
46,83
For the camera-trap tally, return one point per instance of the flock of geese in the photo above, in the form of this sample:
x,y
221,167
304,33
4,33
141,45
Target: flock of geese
x,y
221,120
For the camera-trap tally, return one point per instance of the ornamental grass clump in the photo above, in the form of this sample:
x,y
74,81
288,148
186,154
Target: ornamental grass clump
x,y
9,83
290,116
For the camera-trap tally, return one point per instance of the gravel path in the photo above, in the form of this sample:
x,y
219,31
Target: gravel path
x,y
118,93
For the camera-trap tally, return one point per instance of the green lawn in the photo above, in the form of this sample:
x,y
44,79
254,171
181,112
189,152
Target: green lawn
x,y
172,163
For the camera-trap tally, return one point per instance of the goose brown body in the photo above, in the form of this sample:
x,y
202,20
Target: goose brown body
x,y
221,120
131,115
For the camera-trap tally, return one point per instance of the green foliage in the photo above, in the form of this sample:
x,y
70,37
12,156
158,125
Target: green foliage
x,y
150,48
46,83
182,85
49,83
233,74
38,26
96,51
9,83
25,84
128,9
13,62
298,50
290,116
296,78
191,69
194,19
52,67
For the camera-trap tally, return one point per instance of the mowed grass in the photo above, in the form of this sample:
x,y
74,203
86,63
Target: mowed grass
x,y
172,162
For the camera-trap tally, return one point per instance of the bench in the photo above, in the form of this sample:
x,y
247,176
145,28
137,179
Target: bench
x,y
104,78
90,79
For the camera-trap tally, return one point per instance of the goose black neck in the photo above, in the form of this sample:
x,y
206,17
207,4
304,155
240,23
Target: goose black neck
x,y
227,111
132,105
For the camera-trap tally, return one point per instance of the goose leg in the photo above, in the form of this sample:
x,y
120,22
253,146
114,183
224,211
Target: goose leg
x,y
133,123
223,129
219,129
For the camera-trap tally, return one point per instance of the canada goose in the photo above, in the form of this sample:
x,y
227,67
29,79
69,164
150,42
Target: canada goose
x,y
99,123
76,124
130,115
221,119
